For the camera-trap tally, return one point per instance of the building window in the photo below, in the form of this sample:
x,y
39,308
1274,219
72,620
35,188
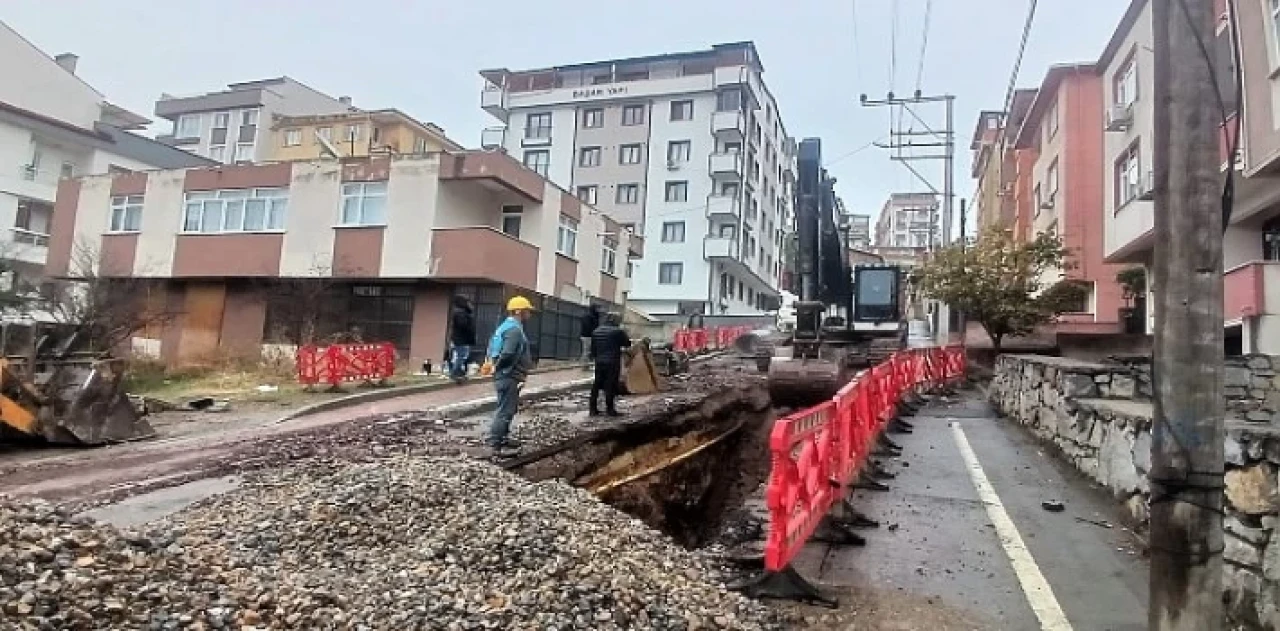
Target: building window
x,y
677,192
235,210
324,132
244,152
567,237
633,115
248,126
1039,202
538,126
1051,177
731,147
68,170
353,133
589,157
188,126
729,101
628,193
1124,85
218,154
1271,240
673,232
729,189
609,256
1128,176
681,110
1051,122
126,213
678,151
670,273
419,145
292,137
630,154
588,194
512,216
593,118
364,204
538,161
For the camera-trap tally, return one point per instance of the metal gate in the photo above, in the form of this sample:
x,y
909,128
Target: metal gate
x,y
552,331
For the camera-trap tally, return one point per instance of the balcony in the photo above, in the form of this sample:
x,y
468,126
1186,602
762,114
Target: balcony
x,y
739,76
725,164
493,138
494,169
536,136
493,100
731,125
28,246
483,254
718,248
724,207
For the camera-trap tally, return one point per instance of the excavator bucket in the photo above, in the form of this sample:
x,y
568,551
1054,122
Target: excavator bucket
x,y
639,375
71,402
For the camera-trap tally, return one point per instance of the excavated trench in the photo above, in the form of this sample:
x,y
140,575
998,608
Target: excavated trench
x,y
682,470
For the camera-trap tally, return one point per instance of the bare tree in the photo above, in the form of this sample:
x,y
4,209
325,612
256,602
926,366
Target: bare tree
x,y
302,309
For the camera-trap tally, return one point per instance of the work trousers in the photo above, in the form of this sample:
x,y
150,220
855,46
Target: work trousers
x,y
508,391
607,375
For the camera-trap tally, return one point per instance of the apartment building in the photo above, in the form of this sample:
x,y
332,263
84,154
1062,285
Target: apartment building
x,y
688,147
859,227
354,134
375,245
1063,129
995,165
909,220
54,125
232,125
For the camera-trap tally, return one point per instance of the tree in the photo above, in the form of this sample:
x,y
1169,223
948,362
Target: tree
x,y
1000,282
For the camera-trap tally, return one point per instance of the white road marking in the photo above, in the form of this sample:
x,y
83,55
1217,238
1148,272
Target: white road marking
x,y
1034,585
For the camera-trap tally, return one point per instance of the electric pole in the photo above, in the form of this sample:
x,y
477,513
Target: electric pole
x,y
1186,452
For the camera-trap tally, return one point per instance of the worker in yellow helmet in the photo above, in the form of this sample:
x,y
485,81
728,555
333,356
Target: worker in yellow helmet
x,y
512,361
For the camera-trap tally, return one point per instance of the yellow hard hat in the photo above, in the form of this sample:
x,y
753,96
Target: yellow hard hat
x,y
519,303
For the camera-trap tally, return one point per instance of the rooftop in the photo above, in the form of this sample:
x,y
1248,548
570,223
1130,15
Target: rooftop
x,y
748,48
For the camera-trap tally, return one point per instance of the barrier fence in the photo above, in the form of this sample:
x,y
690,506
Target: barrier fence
x,y
345,363
709,339
819,453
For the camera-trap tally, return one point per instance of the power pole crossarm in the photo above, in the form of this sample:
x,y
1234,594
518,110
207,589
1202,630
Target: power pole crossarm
x,y
1187,451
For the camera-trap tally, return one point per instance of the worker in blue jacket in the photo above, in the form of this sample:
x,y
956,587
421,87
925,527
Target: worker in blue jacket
x,y
509,351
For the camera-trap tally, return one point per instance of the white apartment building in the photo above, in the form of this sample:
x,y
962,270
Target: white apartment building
x,y
234,125
54,125
908,220
688,149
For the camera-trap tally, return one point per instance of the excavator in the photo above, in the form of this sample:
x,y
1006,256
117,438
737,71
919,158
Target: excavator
x,y
847,318
61,394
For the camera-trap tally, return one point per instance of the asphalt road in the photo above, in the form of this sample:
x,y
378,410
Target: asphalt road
x,y
1002,563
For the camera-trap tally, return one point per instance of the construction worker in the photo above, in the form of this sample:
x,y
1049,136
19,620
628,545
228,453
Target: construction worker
x,y
607,341
462,336
512,361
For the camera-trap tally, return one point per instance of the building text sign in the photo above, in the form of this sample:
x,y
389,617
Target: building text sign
x,y
593,92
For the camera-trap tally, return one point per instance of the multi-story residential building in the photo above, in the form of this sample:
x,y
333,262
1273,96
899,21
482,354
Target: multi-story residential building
x,y
231,126
859,227
379,245
689,147
1064,130
354,134
909,220
995,164
54,125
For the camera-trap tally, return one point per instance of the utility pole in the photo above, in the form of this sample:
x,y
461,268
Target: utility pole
x,y
1186,452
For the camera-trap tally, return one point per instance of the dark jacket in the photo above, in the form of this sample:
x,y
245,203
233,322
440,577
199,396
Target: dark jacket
x,y
589,322
607,343
463,323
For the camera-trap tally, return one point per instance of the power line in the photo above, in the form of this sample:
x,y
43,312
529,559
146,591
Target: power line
x,y
1017,63
924,44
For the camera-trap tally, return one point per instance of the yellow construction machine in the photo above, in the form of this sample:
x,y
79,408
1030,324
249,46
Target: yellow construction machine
x,y
58,396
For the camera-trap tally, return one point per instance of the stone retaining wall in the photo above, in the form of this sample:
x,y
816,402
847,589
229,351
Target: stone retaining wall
x,y
1099,417
1251,385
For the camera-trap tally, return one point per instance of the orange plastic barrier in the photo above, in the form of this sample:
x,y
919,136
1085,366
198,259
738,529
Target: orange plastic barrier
x,y
703,340
345,363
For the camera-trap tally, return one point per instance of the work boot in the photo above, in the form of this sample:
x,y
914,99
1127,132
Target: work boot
x,y
612,413
505,450
593,412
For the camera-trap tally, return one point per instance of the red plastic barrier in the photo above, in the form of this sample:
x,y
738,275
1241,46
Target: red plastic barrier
x,y
345,363
703,340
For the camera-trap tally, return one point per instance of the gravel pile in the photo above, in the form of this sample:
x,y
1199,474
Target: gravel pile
x,y
404,543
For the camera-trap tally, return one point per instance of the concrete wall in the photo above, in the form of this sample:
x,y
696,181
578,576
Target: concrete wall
x,y
1092,414
34,82
1126,223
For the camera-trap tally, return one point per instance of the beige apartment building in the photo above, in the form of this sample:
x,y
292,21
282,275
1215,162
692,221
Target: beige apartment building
x,y
354,134
386,242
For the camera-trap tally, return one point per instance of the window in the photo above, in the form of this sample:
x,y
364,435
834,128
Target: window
x,y
1051,121
1039,201
729,189
235,210
628,193
1128,176
1051,177
244,152
593,118
732,147
609,256
218,153
538,126
630,154
633,115
364,204
681,110
324,132
376,136
677,192
419,145
188,126
222,120
292,137
248,126
248,117
673,232
678,151
670,273
567,237
729,101
353,133
589,157
588,194
68,170
1124,85
538,161
126,213
512,215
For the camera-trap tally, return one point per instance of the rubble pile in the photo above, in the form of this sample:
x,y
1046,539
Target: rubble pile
x,y
403,543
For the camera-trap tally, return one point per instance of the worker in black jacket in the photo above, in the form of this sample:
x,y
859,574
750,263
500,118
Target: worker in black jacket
x,y
607,343
462,336
586,328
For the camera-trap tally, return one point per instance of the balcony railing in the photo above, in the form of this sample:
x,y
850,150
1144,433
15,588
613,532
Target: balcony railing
x,y
29,237
493,100
1244,290
724,206
718,247
725,164
730,124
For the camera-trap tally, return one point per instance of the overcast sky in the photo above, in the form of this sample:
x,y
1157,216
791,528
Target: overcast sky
x,y
422,56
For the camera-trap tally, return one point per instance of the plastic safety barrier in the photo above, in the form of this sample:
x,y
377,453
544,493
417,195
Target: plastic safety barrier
x,y
819,453
346,363
710,339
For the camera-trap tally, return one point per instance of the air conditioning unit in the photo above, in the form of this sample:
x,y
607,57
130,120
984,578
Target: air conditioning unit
x,y
1119,117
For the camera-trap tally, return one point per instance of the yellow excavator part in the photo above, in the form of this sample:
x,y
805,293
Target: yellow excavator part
x,y
639,376
69,401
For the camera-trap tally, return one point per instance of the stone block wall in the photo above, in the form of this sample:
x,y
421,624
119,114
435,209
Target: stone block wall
x,y
1099,417
1251,385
